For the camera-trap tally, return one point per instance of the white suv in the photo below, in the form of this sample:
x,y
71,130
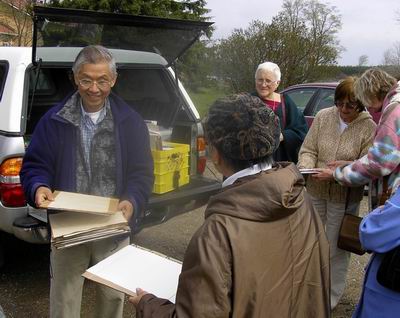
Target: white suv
x,y
36,78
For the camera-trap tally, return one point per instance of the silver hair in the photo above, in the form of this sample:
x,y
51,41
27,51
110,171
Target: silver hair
x,y
374,82
94,54
271,67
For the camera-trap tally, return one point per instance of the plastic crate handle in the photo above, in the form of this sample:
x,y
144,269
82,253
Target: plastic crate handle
x,y
175,161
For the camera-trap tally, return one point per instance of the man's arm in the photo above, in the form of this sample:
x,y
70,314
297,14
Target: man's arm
x,y
138,173
37,167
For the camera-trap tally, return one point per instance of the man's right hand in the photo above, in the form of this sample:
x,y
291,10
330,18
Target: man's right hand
x,y
43,194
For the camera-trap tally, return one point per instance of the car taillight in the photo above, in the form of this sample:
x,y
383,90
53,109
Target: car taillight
x,y
201,155
11,192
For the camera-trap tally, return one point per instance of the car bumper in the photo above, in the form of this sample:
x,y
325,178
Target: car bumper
x,y
31,230
162,207
199,189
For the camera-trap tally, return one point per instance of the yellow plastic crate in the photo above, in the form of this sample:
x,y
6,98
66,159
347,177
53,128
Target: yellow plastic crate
x,y
171,167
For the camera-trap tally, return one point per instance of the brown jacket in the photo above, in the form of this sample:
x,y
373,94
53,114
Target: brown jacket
x,y
261,252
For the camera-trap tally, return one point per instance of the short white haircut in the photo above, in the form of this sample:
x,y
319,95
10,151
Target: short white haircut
x,y
271,67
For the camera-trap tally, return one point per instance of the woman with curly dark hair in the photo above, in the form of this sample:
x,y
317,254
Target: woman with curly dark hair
x,y
262,250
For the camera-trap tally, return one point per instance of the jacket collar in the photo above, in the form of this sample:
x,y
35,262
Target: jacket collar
x,y
69,109
267,196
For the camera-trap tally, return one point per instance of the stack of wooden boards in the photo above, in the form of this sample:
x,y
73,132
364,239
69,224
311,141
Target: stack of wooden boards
x,y
79,218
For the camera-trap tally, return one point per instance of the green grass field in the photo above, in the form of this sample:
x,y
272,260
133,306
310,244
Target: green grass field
x,y
204,98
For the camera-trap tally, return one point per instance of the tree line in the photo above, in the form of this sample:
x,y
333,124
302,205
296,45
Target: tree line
x,y
301,39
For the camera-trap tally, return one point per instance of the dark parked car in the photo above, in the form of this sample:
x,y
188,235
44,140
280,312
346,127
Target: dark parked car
x,y
311,97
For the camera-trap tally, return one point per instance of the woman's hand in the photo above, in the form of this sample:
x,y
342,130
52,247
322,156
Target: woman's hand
x,y
338,163
136,299
323,174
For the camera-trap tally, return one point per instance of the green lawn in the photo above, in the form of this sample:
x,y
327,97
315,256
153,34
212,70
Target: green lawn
x,y
204,98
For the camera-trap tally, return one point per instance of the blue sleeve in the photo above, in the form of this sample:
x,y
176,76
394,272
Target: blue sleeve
x,y
380,229
295,130
37,167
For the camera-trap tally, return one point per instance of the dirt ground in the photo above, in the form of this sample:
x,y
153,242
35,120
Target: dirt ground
x,y
24,279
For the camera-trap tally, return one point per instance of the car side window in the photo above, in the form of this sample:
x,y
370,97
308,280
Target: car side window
x,y
325,99
301,96
3,75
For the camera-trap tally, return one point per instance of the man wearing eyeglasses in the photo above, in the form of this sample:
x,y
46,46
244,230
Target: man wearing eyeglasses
x,y
92,143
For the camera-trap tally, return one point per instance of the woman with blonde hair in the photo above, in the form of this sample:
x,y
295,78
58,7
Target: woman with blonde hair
x,y
381,93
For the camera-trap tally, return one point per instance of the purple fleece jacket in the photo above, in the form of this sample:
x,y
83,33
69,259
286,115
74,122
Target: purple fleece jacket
x,y
50,159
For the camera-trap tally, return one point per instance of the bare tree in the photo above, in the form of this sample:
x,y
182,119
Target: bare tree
x,y
392,56
363,60
18,17
301,39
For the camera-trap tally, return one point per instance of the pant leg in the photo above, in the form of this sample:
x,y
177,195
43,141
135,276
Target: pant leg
x,y
320,206
109,302
339,259
66,283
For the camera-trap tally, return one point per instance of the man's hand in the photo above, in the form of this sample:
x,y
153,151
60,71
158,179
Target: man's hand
x,y
42,195
281,137
136,299
127,209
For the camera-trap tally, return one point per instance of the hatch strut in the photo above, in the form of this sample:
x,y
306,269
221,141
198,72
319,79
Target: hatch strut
x,y
37,68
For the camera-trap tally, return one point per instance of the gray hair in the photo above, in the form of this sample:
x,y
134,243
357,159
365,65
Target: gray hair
x,y
271,67
94,54
374,82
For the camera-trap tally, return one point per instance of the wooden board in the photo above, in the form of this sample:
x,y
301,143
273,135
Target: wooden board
x,y
135,267
77,202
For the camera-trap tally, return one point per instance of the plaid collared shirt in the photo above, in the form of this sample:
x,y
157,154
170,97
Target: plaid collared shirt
x,y
88,129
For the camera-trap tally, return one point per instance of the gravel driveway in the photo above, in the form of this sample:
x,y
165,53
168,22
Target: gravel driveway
x,y
24,279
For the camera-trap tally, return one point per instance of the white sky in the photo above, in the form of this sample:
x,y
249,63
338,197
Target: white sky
x,y
368,26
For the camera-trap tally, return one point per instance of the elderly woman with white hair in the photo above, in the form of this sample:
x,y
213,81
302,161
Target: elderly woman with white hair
x,y
293,125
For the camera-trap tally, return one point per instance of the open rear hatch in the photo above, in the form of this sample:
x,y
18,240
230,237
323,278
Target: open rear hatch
x,y
57,27
170,38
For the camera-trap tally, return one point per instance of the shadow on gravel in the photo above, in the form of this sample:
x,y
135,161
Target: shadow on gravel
x,y
24,272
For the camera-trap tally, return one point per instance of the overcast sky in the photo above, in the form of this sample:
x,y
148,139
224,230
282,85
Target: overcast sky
x,y
368,26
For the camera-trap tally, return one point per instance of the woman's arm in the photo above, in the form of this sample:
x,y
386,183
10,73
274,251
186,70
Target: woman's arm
x,y
205,282
295,129
308,153
379,230
381,159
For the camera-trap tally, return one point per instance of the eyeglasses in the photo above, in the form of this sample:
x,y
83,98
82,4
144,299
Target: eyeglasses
x,y
101,84
348,105
261,81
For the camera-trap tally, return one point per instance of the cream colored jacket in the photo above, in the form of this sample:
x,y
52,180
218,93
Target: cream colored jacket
x,y
325,143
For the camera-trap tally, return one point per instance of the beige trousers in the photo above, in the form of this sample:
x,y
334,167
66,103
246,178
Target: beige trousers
x,y
331,215
66,284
